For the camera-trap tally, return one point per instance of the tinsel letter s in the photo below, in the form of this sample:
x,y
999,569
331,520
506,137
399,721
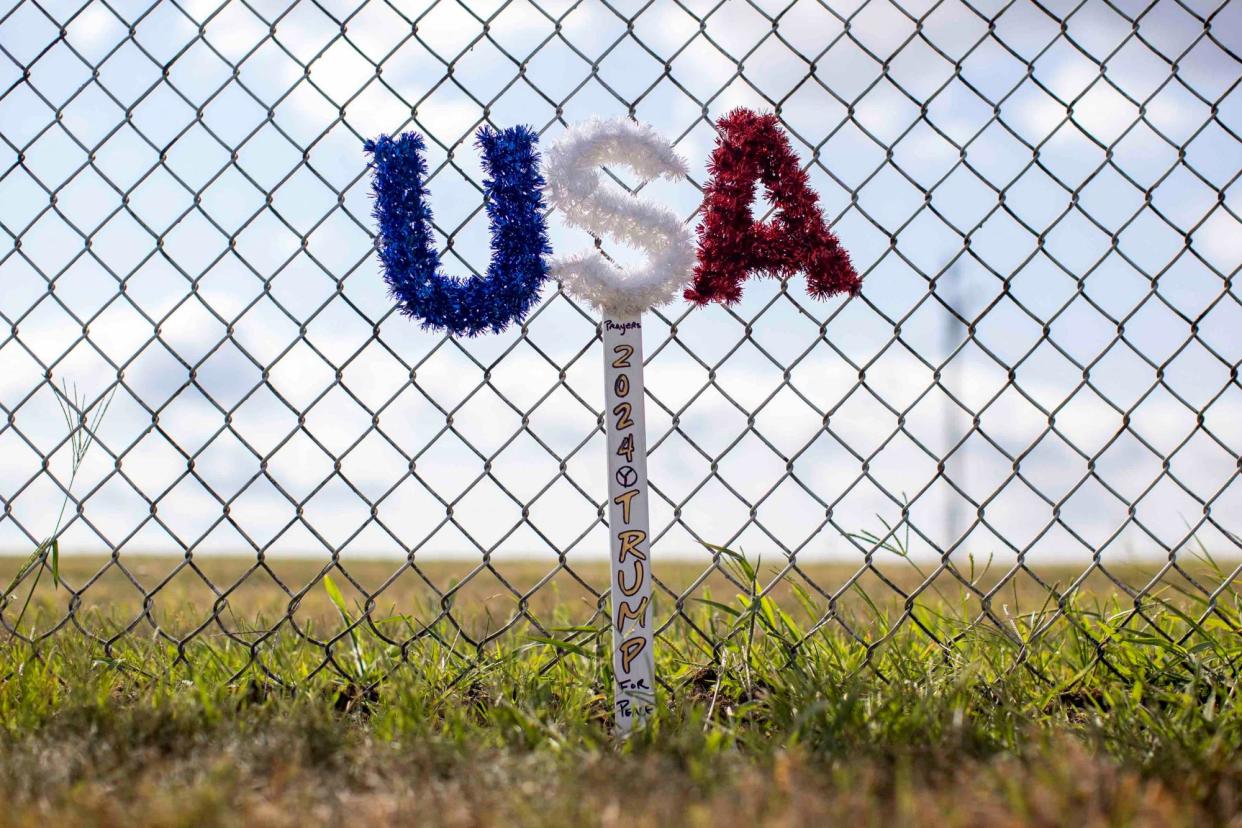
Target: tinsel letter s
x,y
574,189
515,213
732,245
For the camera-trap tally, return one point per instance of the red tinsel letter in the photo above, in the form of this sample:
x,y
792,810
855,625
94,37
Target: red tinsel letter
x,y
732,245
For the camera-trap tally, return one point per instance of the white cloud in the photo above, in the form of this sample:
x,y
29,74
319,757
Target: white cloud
x,y
825,466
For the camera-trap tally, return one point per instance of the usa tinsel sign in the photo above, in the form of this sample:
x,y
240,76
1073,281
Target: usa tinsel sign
x,y
751,149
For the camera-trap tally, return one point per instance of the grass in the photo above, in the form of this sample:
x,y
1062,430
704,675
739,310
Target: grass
x,y
218,691
937,708
80,424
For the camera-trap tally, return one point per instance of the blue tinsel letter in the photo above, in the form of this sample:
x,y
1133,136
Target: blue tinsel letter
x,y
519,234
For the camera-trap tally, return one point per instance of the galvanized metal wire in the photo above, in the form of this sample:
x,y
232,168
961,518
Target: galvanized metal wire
x,y
1014,178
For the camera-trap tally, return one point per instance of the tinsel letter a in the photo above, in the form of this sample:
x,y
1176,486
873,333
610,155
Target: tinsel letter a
x,y
732,245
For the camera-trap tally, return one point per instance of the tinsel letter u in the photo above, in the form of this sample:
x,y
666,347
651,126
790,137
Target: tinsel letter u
x,y
518,227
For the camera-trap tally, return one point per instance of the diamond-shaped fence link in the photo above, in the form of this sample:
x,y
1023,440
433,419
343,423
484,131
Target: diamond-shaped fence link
x,y
1040,377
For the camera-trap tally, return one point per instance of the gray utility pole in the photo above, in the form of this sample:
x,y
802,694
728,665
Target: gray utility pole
x,y
953,333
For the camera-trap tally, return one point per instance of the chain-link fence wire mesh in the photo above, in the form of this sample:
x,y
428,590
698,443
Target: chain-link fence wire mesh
x,y
1041,372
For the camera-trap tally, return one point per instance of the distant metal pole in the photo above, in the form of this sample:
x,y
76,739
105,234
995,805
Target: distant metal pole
x,y
952,335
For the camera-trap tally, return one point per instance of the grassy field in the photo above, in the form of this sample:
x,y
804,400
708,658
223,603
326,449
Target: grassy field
x,y
451,700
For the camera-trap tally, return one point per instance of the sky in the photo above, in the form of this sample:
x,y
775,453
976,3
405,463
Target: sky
x,y
1045,215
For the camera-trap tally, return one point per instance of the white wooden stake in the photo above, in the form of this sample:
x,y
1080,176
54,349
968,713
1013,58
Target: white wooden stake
x,y
629,528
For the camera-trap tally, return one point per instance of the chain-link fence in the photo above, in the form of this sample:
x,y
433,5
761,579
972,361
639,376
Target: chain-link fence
x,y
205,387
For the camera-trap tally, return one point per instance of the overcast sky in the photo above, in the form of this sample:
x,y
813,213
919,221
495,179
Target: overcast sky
x,y
1066,220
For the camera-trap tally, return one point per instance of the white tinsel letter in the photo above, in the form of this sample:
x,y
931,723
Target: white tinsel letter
x,y
571,169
